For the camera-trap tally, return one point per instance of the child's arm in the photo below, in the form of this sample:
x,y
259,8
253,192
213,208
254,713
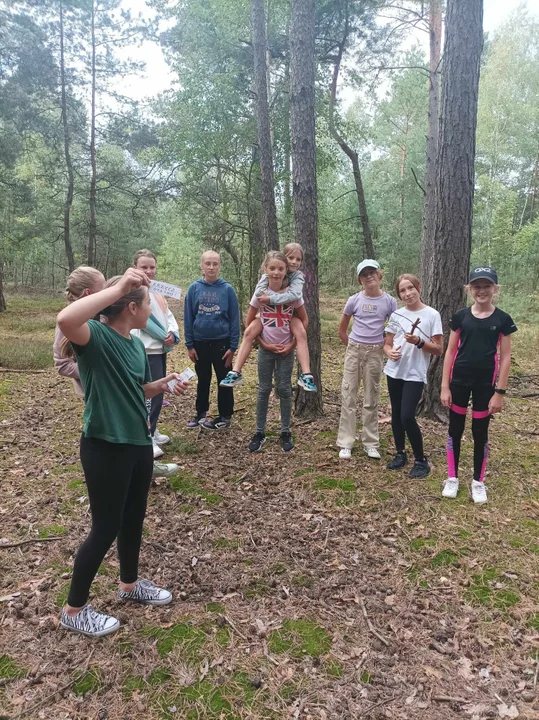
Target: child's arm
x,y
496,401
452,346
173,337
292,293
73,319
262,286
393,353
157,387
188,320
343,328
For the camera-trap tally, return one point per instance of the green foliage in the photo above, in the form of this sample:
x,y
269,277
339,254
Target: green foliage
x,y
88,682
327,483
9,670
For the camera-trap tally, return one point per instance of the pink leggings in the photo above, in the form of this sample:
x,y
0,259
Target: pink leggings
x,y
460,395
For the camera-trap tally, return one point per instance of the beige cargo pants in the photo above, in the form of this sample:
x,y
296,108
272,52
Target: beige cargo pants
x,y
361,362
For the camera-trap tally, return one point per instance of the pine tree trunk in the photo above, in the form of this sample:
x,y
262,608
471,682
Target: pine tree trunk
x,y
269,211
92,235
435,32
3,307
69,165
448,252
303,147
368,245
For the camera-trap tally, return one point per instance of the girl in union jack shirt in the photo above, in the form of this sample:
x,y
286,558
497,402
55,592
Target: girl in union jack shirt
x,y
294,291
276,353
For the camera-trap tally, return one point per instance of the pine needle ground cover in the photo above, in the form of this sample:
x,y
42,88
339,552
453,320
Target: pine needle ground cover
x,y
304,586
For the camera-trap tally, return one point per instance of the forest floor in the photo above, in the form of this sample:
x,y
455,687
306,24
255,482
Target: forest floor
x,y
304,586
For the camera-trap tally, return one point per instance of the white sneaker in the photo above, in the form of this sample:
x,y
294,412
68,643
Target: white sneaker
x,y
164,469
157,452
160,439
345,453
89,622
479,492
372,452
451,488
146,593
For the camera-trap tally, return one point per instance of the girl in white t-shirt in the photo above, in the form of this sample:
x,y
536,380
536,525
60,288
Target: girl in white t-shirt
x,y
413,334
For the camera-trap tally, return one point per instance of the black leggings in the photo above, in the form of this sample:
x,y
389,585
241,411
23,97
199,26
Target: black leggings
x,y
405,396
158,369
460,397
118,479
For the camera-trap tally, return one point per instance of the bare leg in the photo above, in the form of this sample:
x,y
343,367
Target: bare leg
x,y
302,350
250,335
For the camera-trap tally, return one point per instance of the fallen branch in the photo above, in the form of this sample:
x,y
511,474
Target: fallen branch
x,y
235,628
379,704
371,627
24,372
59,690
33,540
448,698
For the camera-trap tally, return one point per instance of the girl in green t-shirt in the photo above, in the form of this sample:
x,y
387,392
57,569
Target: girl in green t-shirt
x,y
116,446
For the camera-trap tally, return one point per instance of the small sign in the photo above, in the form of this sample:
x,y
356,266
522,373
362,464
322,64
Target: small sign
x,y
185,376
166,289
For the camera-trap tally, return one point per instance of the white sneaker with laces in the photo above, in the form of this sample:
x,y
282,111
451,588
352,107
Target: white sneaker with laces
x,y
146,593
345,453
89,622
157,452
164,469
372,452
160,439
479,492
451,488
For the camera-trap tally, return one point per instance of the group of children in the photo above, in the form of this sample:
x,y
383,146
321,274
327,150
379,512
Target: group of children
x,y
113,338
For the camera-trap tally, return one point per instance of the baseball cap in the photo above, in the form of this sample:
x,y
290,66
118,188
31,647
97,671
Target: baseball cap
x,y
367,264
484,272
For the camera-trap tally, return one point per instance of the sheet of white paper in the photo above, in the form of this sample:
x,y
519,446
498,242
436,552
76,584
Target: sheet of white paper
x,y
185,376
166,289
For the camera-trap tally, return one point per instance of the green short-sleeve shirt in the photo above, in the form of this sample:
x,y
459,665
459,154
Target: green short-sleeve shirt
x,y
113,370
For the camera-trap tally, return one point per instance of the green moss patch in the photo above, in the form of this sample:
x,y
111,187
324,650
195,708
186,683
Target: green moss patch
x,y
328,483
188,484
9,670
299,638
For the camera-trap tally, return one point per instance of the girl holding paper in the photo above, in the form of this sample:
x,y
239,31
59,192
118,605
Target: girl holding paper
x,y
159,337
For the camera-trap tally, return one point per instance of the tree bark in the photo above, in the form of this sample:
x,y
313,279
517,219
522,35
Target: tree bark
x,y
3,307
269,210
92,229
448,253
435,32
368,245
67,152
304,190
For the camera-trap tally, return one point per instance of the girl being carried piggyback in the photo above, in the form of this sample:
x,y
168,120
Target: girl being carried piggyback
x,y
268,298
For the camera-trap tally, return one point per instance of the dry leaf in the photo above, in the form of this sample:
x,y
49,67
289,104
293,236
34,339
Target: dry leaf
x,y
465,668
507,712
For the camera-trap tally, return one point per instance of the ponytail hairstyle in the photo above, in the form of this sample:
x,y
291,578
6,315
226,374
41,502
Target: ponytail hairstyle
x,y
275,255
411,278
81,279
290,247
137,295
143,253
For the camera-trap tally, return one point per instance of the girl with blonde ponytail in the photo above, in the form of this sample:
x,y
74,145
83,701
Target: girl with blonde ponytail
x,y
82,282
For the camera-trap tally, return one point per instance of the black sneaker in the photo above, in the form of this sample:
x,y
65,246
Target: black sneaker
x,y
196,422
218,423
398,462
420,469
286,441
257,441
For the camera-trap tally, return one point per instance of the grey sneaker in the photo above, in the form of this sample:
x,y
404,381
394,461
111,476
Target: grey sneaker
x,y
89,622
164,469
146,593
218,423
196,421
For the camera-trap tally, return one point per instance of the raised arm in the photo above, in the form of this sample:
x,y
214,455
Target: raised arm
x,y
73,319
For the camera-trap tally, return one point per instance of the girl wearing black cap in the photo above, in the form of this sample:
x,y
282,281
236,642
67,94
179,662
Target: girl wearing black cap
x,y
472,367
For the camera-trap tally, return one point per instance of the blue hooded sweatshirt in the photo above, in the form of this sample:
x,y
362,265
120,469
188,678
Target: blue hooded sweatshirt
x,y
211,312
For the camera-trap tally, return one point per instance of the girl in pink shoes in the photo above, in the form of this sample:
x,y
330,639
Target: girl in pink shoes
x,y
473,367
413,334
370,308
116,443
268,298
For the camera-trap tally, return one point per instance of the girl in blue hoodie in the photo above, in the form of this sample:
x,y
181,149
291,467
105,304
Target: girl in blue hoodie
x,y
212,333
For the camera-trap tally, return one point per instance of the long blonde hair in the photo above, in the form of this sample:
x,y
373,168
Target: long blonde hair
x,y
81,279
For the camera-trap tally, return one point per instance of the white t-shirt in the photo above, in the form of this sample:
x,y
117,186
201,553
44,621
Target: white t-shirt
x,y
414,363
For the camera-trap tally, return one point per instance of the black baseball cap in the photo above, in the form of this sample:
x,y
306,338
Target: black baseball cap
x,y
484,272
